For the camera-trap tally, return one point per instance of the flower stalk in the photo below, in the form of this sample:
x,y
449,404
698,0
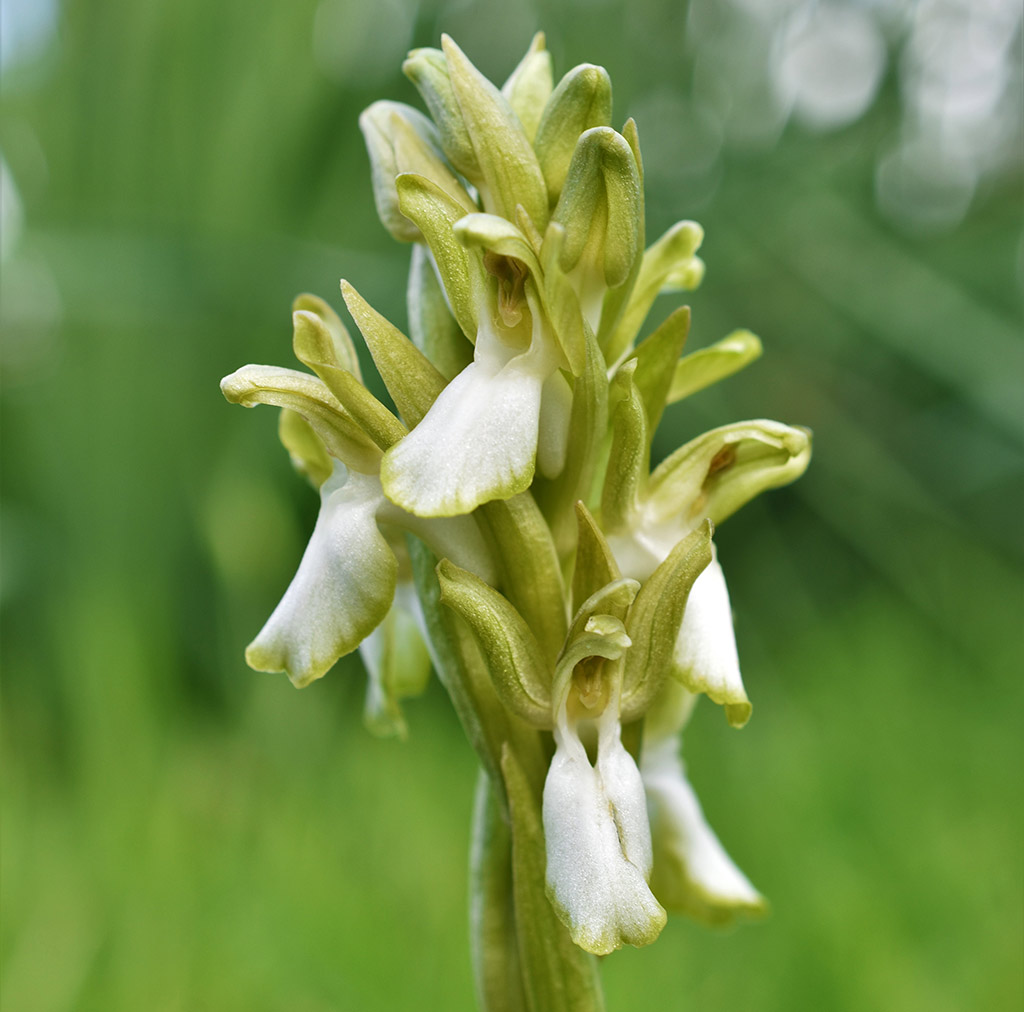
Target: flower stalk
x,y
502,525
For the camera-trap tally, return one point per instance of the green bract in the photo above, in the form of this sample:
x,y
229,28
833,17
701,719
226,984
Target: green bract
x,y
501,524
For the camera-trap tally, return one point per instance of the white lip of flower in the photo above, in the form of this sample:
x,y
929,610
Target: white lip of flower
x,y
597,834
692,871
346,579
479,440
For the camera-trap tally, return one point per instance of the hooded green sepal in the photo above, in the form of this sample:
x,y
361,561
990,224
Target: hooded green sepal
x,y
340,351
311,342
432,327
509,173
461,270
655,359
601,208
720,471
428,70
397,665
630,454
654,620
401,139
304,447
701,368
407,373
308,396
595,565
519,672
582,100
557,974
529,573
670,264
529,86
463,671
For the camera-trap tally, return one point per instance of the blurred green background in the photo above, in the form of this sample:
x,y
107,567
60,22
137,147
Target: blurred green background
x,y
180,833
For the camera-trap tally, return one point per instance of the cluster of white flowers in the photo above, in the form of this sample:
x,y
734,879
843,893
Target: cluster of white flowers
x,y
503,523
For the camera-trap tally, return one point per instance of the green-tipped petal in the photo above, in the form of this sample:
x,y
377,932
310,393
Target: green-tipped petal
x,y
304,446
705,658
307,395
529,86
692,873
583,99
519,672
339,351
311,343
718,472
342,590
709,365
509,173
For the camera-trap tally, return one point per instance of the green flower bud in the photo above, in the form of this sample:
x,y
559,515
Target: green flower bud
x,y
583,99
401,139
529,86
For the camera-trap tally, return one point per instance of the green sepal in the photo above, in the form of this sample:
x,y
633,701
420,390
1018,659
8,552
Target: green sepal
x,y
701,368
561,302
655,360
672,257
601,207
494,947
583,99
309,396
428,70
720,471
630,454
602,637
528,87
518,670
557,974
461,270
529,573
509,173
613,600
304,447
401,139
588,423
398,666
654,620
432,327
341,352
595,564
463,671
311,343
407,373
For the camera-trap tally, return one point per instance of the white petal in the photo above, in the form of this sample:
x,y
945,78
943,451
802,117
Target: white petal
x,y
478,441
600,895
692,871
343,587
705,653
